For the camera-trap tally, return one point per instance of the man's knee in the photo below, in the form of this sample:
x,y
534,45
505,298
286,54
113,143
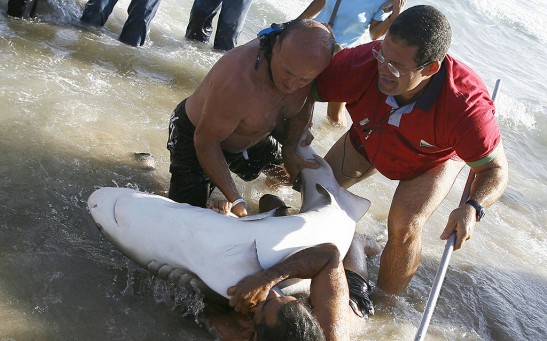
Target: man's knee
x,y
404,228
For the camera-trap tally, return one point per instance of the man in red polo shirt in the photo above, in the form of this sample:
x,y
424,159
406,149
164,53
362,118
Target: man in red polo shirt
x,y
417,113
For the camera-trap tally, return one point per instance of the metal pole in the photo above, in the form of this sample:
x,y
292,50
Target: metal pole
x,y
449,247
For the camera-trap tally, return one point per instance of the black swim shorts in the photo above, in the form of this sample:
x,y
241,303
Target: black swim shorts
x,y
189,183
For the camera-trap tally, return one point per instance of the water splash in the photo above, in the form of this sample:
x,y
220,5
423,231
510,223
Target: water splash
x,y
515,113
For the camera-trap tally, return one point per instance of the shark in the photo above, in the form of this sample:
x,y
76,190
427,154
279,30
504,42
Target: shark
x,y
171,239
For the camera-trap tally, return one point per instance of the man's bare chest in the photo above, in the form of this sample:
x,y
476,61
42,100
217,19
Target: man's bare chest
x,y
263,115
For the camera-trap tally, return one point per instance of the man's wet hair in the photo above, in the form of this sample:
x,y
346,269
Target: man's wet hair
x,y
425,27
294,323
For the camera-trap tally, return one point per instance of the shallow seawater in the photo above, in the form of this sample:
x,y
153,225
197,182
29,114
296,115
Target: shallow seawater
x,y
76,105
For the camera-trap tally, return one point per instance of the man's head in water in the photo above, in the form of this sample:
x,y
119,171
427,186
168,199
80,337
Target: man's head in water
x,y
300,53
285,318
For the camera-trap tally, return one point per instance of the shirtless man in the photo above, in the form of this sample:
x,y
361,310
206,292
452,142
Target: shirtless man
x,y
226,124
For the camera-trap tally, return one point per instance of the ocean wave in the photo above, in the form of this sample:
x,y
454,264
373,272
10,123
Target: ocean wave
x,y
526,16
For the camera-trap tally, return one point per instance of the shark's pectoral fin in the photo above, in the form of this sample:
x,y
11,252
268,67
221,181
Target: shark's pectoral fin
x,y
354,205
325,198
326,195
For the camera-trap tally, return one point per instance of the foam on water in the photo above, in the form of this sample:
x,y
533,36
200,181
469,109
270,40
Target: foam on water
x,y
528,16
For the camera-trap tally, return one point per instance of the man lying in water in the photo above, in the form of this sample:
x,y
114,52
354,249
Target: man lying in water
x,y
325,316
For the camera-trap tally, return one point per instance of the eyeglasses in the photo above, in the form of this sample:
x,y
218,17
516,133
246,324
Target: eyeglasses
x,y
392,68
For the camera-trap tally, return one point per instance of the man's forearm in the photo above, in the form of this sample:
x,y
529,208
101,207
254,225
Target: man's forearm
x,y
378,29
295,126
491,181
488,186
304,264
213,162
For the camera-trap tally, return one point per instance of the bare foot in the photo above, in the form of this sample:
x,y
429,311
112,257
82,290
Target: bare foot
x,y
276,177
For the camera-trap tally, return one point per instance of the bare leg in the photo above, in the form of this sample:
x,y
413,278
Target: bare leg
x,y
413,203
336,113
348,165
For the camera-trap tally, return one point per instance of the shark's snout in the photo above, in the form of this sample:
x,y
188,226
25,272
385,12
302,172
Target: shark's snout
x,y
102,203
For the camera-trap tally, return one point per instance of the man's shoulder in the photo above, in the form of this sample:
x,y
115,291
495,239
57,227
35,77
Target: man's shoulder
x,y
237,59
235,69
358,57
459,67
464,83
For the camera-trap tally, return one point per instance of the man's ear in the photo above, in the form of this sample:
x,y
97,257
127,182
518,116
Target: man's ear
x,y
431,68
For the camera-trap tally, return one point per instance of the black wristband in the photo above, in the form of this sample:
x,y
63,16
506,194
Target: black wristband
x,y
479,210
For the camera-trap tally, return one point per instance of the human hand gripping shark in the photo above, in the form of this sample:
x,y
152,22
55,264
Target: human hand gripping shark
x,y
172,239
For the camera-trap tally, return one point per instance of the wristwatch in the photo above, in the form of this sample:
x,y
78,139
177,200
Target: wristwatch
x,y
480,211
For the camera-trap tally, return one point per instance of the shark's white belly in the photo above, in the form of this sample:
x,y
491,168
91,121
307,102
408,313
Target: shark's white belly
x,y
162,236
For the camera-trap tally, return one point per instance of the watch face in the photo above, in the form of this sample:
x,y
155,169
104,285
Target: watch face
x,y
480,214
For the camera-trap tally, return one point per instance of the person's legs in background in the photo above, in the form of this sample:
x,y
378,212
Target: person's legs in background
x,y
22,8
96,12
230,23
200,24
135,29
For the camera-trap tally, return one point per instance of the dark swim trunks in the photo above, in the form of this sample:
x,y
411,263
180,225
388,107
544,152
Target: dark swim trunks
x,y
359,294
189,183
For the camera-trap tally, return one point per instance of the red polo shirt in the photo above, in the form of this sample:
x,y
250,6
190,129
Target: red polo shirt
x,y
454,116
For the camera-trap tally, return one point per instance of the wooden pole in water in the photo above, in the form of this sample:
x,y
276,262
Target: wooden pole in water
x,y
449,247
